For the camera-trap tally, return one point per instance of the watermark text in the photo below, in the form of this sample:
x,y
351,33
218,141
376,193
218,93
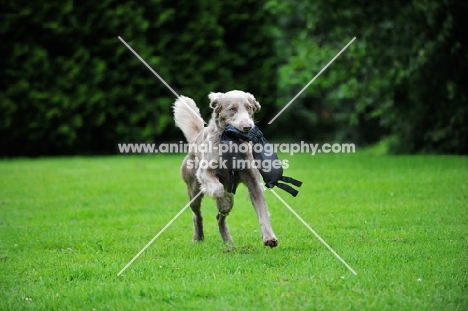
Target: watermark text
x,y
267,149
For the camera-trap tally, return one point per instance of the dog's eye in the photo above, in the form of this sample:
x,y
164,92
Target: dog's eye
x,y
249,109
233,109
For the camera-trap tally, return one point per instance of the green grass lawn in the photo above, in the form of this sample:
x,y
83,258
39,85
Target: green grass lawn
x,y
69,225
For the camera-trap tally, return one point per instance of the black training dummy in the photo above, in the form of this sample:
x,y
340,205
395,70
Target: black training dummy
x,y
272,173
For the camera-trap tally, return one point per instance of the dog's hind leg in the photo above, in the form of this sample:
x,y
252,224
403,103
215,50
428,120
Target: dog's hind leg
x,y
193,190
224,205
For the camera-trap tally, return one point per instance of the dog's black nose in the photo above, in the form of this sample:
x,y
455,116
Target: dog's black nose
x,y
246,128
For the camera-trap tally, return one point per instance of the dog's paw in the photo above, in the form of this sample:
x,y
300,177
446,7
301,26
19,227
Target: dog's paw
x,y
214,190
272,242
198,237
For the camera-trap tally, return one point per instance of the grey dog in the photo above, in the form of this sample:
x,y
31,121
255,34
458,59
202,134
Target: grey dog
x,y
234,108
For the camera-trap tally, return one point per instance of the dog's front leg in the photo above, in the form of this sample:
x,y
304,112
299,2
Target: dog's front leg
x,y
224,205
209,182
252,180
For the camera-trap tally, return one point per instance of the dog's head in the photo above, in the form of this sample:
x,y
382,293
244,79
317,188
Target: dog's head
x,y
235,108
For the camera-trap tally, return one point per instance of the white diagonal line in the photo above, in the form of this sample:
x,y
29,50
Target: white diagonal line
x,y
315,233
305,87
159,233
160,78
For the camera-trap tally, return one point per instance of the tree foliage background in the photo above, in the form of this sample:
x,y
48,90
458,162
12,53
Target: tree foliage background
x,y
69,86
402,79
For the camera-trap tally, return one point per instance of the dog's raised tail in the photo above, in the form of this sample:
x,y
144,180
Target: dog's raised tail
x,y
187,117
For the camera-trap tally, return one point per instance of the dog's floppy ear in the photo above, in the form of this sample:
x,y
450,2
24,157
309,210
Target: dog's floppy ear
x,y
214,101
255,104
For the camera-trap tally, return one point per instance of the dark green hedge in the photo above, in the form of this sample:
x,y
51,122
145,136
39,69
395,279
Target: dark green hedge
x,y
69,86
402,79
